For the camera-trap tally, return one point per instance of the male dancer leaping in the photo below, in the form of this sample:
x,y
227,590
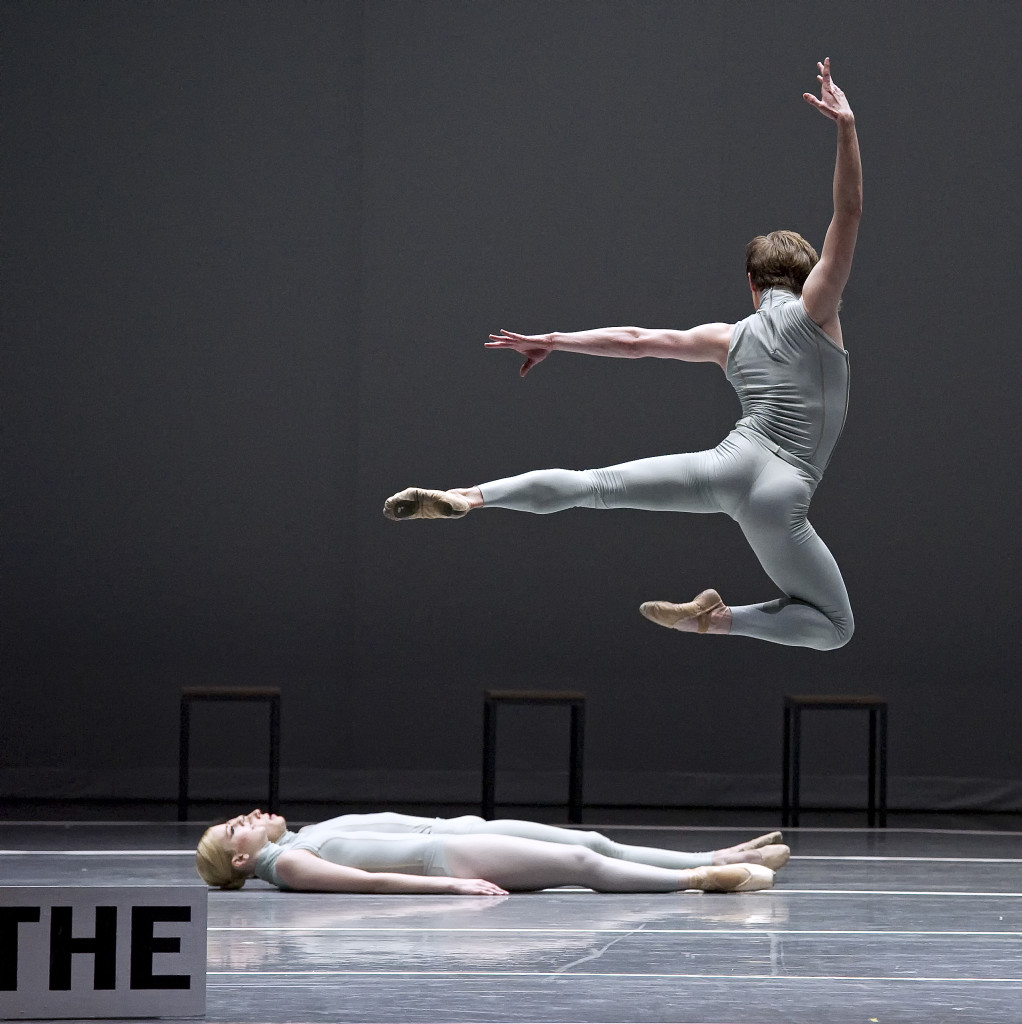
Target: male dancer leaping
x,y
789,366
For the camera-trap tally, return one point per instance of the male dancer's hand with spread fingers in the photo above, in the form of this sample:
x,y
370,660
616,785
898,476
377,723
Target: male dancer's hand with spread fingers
x,y
535,347
832,102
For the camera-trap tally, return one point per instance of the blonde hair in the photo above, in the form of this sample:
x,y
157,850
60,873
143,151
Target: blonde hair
x,y
781,259
214,865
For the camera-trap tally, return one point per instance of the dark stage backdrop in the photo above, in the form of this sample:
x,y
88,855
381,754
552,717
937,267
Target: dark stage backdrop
x,y
252,252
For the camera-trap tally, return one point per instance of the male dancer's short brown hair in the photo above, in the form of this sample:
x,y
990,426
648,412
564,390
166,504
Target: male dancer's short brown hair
x,y
781,259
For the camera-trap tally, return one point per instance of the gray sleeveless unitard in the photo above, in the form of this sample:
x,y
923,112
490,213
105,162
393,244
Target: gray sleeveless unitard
x,y
410,845
792,381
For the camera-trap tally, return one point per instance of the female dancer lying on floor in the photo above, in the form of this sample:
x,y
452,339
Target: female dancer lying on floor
x,y
789,366
399,853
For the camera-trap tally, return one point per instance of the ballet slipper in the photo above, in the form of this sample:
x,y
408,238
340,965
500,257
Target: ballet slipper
x,y
754,844
700,608
731,878
420,503
774,856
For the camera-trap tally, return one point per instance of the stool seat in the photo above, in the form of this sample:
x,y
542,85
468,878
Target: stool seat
x,y
833,701
535,696
230,692
269,694
492,700
794,705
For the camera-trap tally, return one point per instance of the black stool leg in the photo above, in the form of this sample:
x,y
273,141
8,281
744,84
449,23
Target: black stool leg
x,y
883,767
796,764
489,758
182,761
871,812
575,773
274,755
786,770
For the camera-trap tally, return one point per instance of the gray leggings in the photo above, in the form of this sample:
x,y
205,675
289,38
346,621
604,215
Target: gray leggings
x,y
768,498
652,856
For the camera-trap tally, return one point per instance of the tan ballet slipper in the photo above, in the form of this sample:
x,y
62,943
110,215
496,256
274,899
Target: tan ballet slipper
x,y
422,503
731,878
774,856
700,608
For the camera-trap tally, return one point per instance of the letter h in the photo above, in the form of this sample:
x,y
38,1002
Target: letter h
x,y
103,947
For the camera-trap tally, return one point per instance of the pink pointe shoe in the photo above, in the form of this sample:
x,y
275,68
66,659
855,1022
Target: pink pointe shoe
x,y
420,503
731,878
700,608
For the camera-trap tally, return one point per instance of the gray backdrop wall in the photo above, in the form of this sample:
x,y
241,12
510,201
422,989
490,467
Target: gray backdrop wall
x,y
253,250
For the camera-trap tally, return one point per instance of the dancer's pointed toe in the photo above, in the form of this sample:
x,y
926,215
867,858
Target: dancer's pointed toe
x,y
422,503
699,611
769,839
774,856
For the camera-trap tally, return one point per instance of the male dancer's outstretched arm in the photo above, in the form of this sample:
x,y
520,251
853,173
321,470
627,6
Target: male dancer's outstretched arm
x,y
707,343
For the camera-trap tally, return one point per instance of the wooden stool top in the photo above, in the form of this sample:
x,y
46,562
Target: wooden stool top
x,y
229,692
834,700
535,696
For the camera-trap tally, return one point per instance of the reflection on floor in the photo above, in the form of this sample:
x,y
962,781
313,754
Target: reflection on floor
x,y
905,924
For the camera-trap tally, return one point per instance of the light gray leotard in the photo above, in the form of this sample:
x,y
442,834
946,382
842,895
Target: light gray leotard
x,y
792,381
410,845
371,846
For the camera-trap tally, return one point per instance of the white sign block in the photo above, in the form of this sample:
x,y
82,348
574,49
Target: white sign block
x,y
102,951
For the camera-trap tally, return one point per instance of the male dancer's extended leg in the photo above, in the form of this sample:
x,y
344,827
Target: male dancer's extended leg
x,y
708,481
664,483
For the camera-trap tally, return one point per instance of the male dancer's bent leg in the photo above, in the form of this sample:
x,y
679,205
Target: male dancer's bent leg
x,y
815,611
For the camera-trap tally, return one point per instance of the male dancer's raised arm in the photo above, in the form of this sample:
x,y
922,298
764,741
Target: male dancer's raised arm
x,y
821,294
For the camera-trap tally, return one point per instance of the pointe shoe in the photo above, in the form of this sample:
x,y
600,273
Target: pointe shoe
x,y
769,839
731,878
700,608
774,856
420,503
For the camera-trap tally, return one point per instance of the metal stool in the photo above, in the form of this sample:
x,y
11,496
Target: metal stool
x,y
268,694
793,708
493,700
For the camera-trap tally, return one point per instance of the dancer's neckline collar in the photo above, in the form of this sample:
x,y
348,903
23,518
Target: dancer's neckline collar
x,y
776,296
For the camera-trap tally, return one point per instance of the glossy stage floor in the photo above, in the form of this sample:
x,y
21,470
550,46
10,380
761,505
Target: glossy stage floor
x,y
897,925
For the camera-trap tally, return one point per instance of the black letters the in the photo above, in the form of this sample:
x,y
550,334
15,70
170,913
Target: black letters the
x,y
10,918
144,944
103,947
